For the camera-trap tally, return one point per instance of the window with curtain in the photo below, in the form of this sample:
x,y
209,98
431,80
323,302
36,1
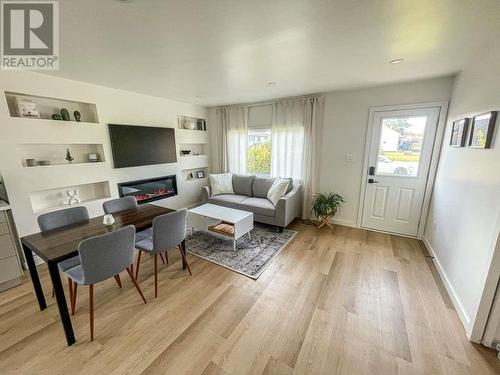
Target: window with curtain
x,y
259,152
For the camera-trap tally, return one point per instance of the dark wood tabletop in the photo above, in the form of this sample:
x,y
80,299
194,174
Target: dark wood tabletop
x,y
59,244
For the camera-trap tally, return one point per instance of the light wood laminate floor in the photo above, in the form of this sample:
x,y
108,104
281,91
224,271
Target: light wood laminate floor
x,y
346,301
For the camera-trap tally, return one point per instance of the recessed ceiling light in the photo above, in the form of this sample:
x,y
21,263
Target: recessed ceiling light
x,y
396,61
272,83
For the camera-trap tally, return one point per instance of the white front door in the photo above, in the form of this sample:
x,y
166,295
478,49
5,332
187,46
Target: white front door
x,y
400,152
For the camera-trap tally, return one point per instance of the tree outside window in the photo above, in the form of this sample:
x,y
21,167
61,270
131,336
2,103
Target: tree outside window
x,y
259,152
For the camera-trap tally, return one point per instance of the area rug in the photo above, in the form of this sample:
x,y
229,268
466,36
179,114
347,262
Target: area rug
x,y
252,256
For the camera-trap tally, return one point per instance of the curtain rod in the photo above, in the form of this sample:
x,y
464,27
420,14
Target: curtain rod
x,y
272,101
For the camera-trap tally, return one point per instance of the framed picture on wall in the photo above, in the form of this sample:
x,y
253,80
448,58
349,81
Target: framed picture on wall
x,y
459,132
200,174
481,133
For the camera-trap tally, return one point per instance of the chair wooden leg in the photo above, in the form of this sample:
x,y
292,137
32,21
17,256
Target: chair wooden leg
x,y
91,311
162,259
184,258
70,291
156,274
166,256
138,264
73,299
130,272
118,280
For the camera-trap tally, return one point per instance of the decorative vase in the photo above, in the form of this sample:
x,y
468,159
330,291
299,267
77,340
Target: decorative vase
x,y
65,114
78,116
108,219
73,196
189,124
56,116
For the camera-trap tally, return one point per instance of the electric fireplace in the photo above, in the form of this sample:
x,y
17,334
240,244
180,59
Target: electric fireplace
x,y
150,189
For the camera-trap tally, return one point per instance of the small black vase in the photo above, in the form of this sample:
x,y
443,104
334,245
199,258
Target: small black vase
x,y
65,114
78,116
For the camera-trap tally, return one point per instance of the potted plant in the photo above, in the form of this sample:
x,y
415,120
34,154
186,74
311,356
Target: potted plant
x,y
325,206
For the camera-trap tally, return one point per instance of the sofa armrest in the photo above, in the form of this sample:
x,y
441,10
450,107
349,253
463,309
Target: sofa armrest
x,y
205,194
289,206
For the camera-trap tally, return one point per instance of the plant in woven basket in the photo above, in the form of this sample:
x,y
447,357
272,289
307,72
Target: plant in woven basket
x,y
325,206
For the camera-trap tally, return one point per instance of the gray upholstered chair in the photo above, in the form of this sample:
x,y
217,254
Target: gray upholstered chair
x,y
103,257
122,204
119,204
60,219
169,231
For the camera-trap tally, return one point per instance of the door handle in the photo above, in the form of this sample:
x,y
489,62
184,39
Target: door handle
x,y
372,181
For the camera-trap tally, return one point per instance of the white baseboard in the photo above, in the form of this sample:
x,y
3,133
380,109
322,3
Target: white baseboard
x,y
346,223
449,288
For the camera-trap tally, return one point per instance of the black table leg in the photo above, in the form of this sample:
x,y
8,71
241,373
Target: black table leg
x,y
61,303
183,245
34,278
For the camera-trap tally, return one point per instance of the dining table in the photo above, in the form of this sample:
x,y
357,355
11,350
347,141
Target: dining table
x,y
60,244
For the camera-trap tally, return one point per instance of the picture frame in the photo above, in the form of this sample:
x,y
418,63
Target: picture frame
x,y
200,174
27,108
482,129
459,132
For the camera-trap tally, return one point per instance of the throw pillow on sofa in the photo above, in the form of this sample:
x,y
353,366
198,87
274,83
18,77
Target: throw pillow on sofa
x,y
242,184
221,183
278,190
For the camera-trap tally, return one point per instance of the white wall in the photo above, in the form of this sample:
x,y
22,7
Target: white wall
x,y
465,207
113,106
344,131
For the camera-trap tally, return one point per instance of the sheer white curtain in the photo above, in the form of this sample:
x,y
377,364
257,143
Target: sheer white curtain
x,y
296,128
233,132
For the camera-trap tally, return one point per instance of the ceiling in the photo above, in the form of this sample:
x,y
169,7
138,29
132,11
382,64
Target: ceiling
x,y
226,51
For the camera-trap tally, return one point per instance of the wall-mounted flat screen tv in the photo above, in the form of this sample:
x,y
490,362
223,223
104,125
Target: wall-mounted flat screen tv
x,y
133,146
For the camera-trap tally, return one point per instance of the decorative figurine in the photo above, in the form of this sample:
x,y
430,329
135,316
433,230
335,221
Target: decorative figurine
x,y
78,116
65,114
56,116
73,196
69,158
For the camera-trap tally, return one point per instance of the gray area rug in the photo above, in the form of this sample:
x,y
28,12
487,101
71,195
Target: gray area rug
x,y
251,257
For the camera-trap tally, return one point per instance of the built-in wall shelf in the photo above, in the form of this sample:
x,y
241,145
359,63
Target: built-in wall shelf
x,y
191,175
196,149
50,154
47,106
51,199
191,123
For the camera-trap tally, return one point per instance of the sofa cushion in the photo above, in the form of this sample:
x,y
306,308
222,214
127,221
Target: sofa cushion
x,y
278,189
221,183
259,206
242,184
290,185
261,186
227,200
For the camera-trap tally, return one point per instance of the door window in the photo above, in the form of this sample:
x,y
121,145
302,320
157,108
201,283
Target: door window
x,y
400,146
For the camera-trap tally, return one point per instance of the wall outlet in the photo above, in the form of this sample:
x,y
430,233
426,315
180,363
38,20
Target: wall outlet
x,y
349,157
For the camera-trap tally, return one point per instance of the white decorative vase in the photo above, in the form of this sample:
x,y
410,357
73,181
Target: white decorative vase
x,y
189,124
108,219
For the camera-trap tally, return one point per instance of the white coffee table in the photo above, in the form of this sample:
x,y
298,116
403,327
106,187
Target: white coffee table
x,y
202,217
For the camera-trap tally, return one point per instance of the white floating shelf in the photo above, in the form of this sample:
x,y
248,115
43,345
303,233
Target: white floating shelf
x,y
185,136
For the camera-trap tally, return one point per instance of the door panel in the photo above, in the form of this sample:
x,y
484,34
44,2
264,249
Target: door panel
x,y
379,202
399,156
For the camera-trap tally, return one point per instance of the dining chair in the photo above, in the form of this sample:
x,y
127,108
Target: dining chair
x,y
60,219
169,230
103,257
122,204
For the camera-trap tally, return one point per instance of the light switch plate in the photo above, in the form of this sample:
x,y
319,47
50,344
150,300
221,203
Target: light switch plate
x,y
349,157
